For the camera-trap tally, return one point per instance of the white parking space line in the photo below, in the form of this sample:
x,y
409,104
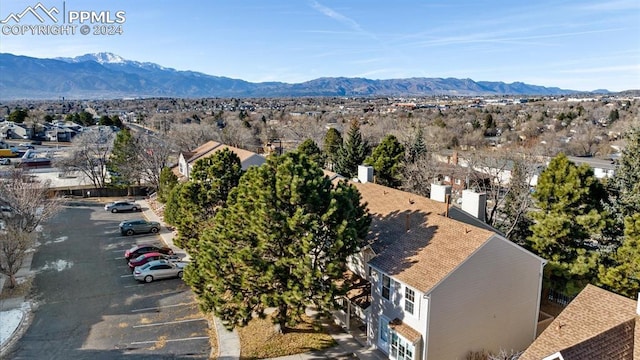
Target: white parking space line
x,y
130,286
168,323
161,307
124,276
172,340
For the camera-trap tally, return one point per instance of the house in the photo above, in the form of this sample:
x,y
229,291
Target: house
x,y
597,324
442,282
187,159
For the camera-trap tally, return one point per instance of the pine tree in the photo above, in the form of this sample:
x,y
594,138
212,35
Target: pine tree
x,y
625,184
168,180
623,275
418,148
192,206
386,160
123,160
311,149
570,211
352,153
332,143
281,242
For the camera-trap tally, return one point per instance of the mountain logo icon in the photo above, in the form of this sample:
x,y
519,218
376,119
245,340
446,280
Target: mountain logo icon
x,y
36,12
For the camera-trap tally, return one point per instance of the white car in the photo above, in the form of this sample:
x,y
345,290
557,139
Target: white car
x,y
159,269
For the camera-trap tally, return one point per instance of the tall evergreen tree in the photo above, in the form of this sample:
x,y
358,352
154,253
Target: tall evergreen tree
x,y
123,160
623,274
332,143
418,147
352,153
570,202
281,242
624,187
168,180
192,206
311,149
386,160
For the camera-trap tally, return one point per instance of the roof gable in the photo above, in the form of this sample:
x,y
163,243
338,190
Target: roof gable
x,y
415,242
596,322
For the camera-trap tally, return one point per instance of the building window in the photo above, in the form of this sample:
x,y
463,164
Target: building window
x,y
384,330
386,286
401,349
409,300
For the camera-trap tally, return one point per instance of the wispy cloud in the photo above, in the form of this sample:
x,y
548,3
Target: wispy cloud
x,y
612,5
345,20
491,38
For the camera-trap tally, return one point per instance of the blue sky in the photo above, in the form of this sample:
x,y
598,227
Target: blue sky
x,y
579,45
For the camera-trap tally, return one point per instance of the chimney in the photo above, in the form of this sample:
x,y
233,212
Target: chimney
x,y
455,158
474,203
407,222
440,192
365,173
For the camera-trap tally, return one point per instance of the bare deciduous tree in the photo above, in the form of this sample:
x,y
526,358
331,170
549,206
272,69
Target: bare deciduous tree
x,y
25,205
14,244
90,155
187,137
153,155
417,176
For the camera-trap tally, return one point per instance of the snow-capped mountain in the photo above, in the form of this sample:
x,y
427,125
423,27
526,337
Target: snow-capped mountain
x,y
107,58
106,75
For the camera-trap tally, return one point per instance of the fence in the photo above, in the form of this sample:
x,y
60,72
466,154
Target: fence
x,y
559,298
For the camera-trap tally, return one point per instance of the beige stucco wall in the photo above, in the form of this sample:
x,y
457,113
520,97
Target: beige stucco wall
x,y
489,303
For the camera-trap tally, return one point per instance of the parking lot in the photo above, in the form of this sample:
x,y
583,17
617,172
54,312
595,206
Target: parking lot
x,y
89,305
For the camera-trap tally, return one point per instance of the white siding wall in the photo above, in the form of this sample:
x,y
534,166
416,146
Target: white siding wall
x,y
394,308
490,302
183,166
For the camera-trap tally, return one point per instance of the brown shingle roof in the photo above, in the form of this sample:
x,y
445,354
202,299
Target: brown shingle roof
x,y
405,330
415,243
247,158
200,151
597,324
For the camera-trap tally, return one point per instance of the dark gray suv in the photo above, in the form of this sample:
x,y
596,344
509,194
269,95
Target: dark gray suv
x,y
139,226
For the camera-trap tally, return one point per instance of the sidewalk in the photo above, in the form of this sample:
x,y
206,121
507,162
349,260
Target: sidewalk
x,y
229,342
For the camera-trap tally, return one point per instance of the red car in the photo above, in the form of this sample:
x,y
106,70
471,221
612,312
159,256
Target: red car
x,y
138,250
145,258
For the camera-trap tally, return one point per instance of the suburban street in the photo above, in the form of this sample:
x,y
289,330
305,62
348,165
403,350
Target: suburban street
x,y
88,305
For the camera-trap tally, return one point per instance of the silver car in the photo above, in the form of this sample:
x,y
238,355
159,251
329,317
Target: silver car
x,y
159,269
118,206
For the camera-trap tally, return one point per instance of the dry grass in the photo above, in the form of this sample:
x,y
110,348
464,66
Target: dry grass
x,y
259,340
22,289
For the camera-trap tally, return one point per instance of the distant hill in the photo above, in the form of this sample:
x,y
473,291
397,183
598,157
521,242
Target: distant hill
x,y
106,76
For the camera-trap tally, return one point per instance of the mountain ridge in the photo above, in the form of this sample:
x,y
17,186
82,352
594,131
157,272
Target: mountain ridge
x,y
106,75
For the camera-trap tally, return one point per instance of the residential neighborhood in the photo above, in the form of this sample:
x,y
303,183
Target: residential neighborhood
x,y
427,253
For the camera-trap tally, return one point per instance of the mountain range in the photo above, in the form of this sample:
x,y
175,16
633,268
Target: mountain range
x,y
108,76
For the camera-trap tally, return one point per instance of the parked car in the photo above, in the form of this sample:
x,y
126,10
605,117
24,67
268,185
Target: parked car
x,y
139,226
118,206
138,250
159,269
5,161
145,258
